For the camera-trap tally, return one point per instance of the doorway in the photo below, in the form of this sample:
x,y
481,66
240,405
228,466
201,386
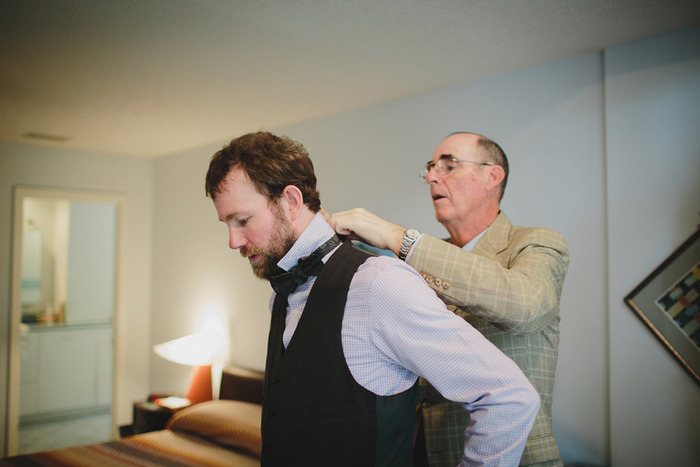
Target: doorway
x,y
67,250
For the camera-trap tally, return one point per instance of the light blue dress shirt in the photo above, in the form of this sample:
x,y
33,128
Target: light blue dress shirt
x,y
395,329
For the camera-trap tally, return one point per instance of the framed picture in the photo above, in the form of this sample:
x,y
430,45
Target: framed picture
x,y
668,301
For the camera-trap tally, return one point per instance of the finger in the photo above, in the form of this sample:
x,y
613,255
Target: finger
x,y
326,216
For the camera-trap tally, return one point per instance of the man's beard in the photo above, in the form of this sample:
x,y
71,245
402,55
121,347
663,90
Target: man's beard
x,y
281,241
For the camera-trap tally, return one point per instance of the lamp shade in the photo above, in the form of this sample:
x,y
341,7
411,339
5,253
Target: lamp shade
x,y
198,350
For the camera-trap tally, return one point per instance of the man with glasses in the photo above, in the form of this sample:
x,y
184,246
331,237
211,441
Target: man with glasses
x,y
503,279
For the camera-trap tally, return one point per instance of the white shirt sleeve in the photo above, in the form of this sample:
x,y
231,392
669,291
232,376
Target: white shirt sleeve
x,y
411,326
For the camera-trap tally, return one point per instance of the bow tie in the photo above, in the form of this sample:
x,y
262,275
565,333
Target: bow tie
x,y
287,282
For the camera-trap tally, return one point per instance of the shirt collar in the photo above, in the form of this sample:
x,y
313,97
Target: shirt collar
x,y
472,243
313,236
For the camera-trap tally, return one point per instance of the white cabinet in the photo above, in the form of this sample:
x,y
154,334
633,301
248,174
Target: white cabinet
x,y
29,378
66,368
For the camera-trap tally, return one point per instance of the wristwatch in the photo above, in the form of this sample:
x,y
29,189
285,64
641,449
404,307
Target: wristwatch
x,y
409,238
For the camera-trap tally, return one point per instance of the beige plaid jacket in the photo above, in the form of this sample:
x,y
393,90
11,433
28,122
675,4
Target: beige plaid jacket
x,y
508,288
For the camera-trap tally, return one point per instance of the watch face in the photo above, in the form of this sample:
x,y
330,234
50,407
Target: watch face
x,y
410,236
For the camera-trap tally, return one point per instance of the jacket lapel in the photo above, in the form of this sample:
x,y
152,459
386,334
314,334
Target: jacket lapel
x,y
495,240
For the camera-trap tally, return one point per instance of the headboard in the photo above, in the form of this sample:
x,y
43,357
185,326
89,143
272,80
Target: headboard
x,y
241,384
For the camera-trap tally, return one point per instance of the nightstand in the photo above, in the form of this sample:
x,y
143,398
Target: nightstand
x,y
149,416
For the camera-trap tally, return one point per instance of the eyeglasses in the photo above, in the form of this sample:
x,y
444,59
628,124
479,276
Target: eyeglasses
x,y
445,165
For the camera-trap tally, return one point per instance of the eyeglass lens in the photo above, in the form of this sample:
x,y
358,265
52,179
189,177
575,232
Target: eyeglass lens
x,y
443,166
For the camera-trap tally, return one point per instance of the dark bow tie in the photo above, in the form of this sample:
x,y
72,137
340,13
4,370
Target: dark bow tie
x,y
287,282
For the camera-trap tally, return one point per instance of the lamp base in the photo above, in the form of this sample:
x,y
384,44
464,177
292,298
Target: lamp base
x,y
200,387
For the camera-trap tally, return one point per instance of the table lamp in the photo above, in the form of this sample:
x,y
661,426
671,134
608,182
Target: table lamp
x,y
198,350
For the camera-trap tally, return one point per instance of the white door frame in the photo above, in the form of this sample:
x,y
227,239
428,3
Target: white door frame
x,y
15,344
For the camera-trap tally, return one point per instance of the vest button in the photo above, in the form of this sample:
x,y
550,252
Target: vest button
x,y
276,380
270,415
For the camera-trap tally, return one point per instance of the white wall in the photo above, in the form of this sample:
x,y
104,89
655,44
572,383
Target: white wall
x,y
42,166
653,170
197,279
91,264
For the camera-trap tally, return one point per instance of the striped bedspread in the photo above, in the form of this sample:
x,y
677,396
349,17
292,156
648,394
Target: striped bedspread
x,y
216,433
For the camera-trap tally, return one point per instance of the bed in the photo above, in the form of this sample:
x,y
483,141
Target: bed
x,y
223,432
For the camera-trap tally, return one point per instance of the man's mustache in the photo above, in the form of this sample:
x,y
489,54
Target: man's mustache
x,y
248,252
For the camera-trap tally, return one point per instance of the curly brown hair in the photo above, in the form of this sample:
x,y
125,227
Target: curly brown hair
x,y
271,162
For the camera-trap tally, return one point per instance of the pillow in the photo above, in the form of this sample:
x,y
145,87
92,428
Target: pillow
x,y
227,422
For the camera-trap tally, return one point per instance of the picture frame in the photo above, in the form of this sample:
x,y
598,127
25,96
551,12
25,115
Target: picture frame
x,y
668,302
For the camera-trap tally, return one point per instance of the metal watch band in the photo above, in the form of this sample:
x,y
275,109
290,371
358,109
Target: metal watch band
x,y
409,238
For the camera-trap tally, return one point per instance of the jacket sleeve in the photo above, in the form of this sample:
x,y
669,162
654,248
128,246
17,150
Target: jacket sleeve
x,y
517,290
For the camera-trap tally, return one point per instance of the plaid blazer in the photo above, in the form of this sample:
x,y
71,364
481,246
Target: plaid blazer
x,y
508,288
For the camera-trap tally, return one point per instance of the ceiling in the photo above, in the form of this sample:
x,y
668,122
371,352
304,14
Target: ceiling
x,y
152,77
